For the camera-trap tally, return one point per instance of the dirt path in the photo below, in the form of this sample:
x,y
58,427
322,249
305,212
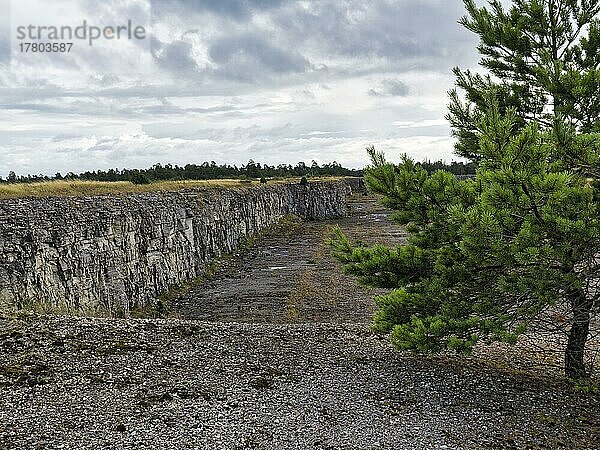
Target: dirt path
x,y
289,274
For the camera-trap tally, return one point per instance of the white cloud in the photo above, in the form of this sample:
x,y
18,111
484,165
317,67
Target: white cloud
x,y
273,80
421,123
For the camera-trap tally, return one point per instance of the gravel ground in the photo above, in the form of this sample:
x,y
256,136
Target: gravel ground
x,y
78,383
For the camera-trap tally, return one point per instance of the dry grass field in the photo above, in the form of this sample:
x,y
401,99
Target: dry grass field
x,y
85,188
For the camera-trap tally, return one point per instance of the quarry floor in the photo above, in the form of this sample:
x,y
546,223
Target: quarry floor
x,y
271,351
288,274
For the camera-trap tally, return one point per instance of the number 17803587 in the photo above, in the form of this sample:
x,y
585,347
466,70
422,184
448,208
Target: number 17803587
x,y
45,47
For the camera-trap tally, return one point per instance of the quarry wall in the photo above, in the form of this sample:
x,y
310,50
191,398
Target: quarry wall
x,y
118,252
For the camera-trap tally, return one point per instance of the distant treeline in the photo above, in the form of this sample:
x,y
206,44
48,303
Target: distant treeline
x,y
456,168
213,171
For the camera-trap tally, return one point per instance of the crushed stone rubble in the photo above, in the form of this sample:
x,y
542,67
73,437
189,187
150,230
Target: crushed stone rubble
x,y
85,383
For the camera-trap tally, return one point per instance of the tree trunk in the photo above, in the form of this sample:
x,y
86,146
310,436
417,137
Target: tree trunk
x,y
578,335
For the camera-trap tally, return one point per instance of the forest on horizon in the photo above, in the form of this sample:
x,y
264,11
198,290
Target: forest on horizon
x,y
213,171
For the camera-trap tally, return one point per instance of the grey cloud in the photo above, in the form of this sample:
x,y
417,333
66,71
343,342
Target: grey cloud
x,y
377,36
104,144
135,108
80,108
5,18
251,133
236,9
39,107
272,50
104,80
32,91
169,109
423,32
390,87
248,56
384,35
66,137
176,56
4,49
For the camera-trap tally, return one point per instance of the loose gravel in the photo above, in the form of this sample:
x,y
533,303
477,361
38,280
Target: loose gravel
x,y
80,383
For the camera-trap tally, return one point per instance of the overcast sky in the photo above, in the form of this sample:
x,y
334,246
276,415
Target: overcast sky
x,y
228,80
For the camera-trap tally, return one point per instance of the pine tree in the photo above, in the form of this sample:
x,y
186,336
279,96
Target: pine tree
x,y
542,57
489,256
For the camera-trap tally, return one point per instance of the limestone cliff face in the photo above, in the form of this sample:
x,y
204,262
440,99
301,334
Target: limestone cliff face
x,y
119,252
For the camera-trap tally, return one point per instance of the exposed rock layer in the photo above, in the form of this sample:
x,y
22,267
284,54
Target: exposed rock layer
x,y
119,252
